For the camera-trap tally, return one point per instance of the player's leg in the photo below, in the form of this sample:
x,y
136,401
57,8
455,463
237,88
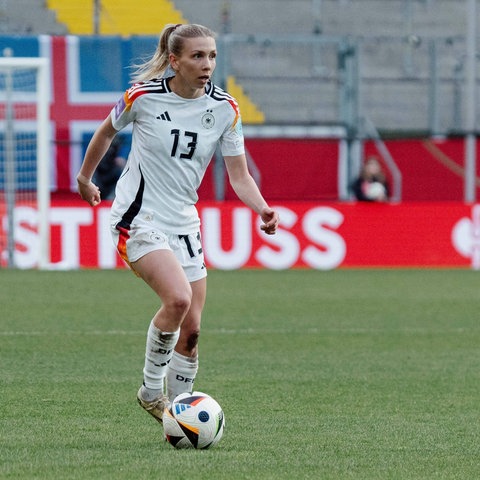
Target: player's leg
x,y
162,272
183,367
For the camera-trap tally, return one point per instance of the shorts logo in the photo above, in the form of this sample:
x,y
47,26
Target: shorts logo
x,y
155,237
208,120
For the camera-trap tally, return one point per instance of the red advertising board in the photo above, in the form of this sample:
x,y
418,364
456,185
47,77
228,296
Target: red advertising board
x,y
311,235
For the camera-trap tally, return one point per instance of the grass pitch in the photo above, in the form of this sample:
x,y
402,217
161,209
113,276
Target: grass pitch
x,y
349,374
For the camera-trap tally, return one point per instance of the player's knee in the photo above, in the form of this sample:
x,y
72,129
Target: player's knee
x,y
179,305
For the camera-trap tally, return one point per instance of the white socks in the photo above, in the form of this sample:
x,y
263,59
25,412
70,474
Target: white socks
x,y
161,361
181,374
158,353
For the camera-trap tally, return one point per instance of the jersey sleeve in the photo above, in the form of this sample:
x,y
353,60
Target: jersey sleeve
x,y
122,113
232,141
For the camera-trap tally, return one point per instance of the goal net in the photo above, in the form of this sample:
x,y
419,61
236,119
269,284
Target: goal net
x,y
24,163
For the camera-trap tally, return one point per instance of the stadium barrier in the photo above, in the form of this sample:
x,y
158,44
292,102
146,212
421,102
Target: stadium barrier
x,y
312,235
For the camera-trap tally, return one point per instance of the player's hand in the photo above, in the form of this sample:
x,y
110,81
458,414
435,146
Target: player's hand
x,y
270,220
89,192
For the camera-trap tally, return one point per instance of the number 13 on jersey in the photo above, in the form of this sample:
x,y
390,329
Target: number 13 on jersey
x,y
191,145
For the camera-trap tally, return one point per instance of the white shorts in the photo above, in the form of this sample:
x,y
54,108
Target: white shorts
x,y
133,244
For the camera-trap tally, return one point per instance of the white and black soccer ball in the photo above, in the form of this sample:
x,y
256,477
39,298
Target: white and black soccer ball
x,y
193,420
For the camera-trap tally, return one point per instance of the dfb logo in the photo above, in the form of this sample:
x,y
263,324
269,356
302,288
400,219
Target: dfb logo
x,y
181,378
466,237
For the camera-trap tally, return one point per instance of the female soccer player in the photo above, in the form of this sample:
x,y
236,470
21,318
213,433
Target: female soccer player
x,y
179,116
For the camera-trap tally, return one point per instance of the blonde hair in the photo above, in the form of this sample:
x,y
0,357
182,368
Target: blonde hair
x,y
171,41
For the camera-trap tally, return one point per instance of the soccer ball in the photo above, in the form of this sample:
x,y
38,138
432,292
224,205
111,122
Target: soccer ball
x,y
193,420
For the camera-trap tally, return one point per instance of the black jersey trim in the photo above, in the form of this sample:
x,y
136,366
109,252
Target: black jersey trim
x,y
134,208
142,88
218,93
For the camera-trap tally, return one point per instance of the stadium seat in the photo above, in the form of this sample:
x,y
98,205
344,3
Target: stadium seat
x,y
250,112
118,17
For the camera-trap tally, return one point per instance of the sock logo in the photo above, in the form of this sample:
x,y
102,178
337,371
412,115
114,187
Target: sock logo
x,y
181,378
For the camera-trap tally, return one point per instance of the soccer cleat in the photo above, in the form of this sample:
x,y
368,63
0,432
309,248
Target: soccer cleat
x,y
156,407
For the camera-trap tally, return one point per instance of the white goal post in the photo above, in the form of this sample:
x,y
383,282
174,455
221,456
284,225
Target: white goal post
x,y
24,161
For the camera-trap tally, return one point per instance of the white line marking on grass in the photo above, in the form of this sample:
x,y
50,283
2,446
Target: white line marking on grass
x,y
86,332
254,331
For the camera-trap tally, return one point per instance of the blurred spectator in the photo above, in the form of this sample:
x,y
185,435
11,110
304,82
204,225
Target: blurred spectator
x,y
371,185
110,169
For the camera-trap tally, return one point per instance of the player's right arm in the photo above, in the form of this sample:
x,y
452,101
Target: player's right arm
x,y
98,146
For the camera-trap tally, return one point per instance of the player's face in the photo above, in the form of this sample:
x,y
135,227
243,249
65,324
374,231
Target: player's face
x,y
195,66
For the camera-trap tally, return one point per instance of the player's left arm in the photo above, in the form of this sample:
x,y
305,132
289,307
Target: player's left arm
x,y
248,192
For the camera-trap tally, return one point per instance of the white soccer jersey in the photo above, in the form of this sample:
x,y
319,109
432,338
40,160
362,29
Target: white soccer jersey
x,y
173,141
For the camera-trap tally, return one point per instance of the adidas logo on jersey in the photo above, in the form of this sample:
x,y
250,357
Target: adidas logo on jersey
x,y
164,116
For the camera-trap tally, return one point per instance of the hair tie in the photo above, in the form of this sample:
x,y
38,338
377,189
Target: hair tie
x,y
176,26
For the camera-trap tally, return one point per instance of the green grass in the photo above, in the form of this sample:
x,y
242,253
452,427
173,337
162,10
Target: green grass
x,y
349,374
